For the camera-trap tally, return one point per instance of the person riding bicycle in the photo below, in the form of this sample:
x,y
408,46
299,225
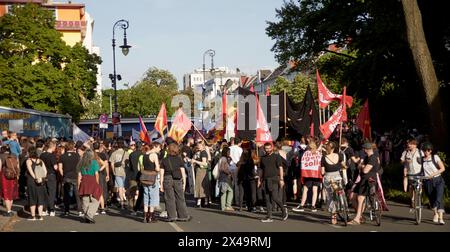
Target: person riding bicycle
x,y
434,184
368,175
412,165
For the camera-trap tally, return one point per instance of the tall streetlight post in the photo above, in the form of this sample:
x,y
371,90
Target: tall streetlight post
x,y
211,53
125,50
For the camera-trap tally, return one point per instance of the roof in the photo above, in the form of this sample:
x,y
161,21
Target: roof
x,y
36,112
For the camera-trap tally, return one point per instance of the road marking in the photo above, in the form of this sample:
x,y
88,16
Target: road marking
x,y
176,227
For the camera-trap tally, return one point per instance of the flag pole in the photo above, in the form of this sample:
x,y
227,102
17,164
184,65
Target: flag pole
x,y
285,114
320,116
200,133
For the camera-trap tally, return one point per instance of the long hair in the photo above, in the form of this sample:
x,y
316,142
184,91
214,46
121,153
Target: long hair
x,y
86,160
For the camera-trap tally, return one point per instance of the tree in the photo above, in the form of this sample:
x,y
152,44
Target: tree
x,y
296,89
38,70
159,77
377,61
425,69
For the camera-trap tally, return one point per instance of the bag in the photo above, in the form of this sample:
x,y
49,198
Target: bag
x,y
119,164
40,172
148,178
215,171
11,171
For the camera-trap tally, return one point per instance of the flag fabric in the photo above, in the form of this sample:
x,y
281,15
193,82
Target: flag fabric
x,y
267,91
344,111
135,134
326,96
311,165
262,127
79,135
328,128
161,120
180,126
363,121
252,89
143,132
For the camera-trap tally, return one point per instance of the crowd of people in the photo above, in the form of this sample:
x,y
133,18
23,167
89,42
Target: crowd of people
x,y
88,178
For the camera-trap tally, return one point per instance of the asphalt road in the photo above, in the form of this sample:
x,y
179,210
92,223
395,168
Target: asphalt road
x,y
398,219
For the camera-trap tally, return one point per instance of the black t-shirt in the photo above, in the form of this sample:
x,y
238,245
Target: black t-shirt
x,y
172,166
49,160
203,154
326,162
134,160
270,165
104,157
372,160
69,161
186,149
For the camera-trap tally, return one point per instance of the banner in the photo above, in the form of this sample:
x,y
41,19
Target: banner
x,y
79,135
326,96
180,126
363,121
328,128
161,120
262,127
311,165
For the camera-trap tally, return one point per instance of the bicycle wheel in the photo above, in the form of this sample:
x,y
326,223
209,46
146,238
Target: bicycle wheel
x,y
418,207
343,209
376,208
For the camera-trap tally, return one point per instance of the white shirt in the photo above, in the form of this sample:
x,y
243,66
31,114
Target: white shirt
x,y
415,165
235,154
429,167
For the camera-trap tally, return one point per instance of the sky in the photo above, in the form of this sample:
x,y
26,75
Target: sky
x,y
174,34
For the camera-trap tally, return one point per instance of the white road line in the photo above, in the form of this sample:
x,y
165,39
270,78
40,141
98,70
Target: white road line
x,y
176,227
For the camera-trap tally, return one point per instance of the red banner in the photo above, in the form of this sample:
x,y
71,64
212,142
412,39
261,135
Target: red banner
x,y
161,120
363,121
262,127
311,167
180,126
328,128
326,96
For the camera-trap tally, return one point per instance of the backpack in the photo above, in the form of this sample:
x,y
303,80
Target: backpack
x,y
40,171
11,170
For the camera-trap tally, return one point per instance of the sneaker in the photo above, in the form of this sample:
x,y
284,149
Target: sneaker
x,y
96,213
313,209
267,220
229,209
45,213
103,212
261,209
9,214
436,219
299,208
80,214
52,214
285,214
441,222
40,218
163,214
189,218
32,218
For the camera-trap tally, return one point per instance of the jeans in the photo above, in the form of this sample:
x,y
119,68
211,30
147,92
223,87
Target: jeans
x,y
51,192
434,188
190,180
174,198
271,191
227,195
151,195
71,190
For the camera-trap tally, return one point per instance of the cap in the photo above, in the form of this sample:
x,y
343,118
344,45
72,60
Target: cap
x,y
132,143
367,146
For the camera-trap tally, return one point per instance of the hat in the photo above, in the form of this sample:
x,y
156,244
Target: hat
x,y
132,143
367,146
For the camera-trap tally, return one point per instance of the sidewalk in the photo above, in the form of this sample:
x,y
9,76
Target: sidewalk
x,y
4,220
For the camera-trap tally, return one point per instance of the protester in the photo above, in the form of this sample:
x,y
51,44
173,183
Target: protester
x,y
35,184
225,181
88,184
273,179
173,179
200,163
412,165
434,183
99,150
118,159
235,155
9,173
132,174
49,159
67,167
331,165
151,186
246,181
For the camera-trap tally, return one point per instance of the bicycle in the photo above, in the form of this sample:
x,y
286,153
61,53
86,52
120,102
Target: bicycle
x,y
341,199
373,204
417,186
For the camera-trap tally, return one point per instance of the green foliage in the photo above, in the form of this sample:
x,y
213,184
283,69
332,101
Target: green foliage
x,y
159,77
38,70
296,89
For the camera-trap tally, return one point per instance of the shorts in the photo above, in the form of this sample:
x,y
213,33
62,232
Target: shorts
x,y
151,195
119,182
310,182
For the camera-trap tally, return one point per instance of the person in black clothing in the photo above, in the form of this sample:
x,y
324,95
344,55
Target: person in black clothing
x,y
350,161
67,167
246,180
368,173
49,159
173,179
103,174
273,178
186,155
132,175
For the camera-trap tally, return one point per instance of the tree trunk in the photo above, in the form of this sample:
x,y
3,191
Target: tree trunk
x,y
425,70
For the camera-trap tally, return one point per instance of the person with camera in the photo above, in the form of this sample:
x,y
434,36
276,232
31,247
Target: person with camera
x,y
36,175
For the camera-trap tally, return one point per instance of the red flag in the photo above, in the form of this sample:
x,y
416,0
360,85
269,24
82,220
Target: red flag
x,y
328,128
252,89
262,128
143,135
180,126
326,96
161,120
363,121
268,91
344,112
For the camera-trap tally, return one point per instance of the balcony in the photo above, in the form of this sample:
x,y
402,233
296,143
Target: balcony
x,y
70,25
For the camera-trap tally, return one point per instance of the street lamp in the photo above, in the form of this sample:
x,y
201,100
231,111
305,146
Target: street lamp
x,y
211,53
125,50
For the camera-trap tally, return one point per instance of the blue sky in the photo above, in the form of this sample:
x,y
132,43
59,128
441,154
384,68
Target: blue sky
x,y
173,34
